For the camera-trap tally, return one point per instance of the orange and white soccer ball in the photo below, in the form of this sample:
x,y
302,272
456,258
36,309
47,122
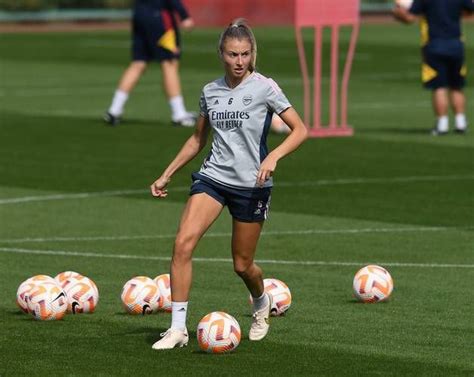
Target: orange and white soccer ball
x,y
62,276
372,284
164,285
26,287
47,301
140,295
218,332
281,296
82,294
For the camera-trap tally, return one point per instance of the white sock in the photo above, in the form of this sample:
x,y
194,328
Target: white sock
x,y
118,102
443,124
178,111
461,122
260,302
178,315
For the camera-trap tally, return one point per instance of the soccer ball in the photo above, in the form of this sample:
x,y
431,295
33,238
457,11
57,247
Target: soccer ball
x,y
372,284
281,296
47,301
26,287
82,294
66,275
218,332
163,283
406,4
140,295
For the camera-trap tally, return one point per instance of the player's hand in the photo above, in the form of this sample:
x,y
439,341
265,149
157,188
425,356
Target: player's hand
x,y
158,188
266,171
187,24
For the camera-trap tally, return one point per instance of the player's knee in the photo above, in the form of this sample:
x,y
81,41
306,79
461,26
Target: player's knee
x,y
183,247
243,267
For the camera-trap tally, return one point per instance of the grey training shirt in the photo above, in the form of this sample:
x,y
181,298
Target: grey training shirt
x,y
240,118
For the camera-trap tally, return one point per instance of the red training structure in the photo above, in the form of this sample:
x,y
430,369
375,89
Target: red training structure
x,y
332,14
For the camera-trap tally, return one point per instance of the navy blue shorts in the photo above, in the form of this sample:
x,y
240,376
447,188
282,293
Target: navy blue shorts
x,y
154,39
246,205
443,71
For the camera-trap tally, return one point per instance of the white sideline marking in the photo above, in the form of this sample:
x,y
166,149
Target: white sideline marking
x,y
322,182
228,260
228,234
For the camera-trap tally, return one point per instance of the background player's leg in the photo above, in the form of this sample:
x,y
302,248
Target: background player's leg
x,y
131,75
172,89
441,107
126,84
458,103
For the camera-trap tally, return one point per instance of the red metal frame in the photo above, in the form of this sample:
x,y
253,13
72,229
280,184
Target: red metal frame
x,y
333,14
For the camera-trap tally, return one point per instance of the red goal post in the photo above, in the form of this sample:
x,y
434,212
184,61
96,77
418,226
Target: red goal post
x,y
319,14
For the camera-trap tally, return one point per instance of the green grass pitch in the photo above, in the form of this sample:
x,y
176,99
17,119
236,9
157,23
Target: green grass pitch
x,y
73,196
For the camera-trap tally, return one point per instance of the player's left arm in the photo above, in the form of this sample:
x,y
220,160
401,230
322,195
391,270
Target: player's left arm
x,y
189,150
294,139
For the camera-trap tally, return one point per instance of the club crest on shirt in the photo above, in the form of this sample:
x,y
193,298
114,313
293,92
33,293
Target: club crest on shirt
x,y
247,100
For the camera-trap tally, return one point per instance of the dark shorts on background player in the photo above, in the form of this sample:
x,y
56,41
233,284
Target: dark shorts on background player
x,y
443,69
147,32
246,205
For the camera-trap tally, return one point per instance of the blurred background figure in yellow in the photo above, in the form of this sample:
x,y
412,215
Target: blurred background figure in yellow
x,y
155,37
443,67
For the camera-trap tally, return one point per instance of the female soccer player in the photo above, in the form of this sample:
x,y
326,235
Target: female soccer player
x,y
156,37
237,172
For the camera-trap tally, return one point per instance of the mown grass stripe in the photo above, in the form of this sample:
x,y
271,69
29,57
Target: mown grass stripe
x,y
301,232
228,260
322,182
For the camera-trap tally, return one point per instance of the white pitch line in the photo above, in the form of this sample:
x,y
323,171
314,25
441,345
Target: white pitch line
x,y
228,260
83,195
322,182
300,232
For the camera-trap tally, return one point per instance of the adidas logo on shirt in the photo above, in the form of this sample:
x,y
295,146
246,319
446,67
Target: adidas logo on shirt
x,y
216,102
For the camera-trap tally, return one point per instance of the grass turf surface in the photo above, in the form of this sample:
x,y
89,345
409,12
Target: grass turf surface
x,y
392,194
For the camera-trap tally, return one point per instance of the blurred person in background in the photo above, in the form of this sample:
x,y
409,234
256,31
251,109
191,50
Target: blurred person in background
x,y
443,66
155,37
237,173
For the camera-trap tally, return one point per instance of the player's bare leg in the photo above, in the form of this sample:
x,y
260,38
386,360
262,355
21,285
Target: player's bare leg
x,y
172,89
131,75
440,102
200,212
458,103
244,244
127,82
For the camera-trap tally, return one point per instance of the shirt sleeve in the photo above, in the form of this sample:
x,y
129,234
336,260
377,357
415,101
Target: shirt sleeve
x,y
276,99
203,106
417,7
180,9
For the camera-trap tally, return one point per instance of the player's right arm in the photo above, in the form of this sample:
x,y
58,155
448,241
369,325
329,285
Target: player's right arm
x,y
408,11
403,15
189,150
